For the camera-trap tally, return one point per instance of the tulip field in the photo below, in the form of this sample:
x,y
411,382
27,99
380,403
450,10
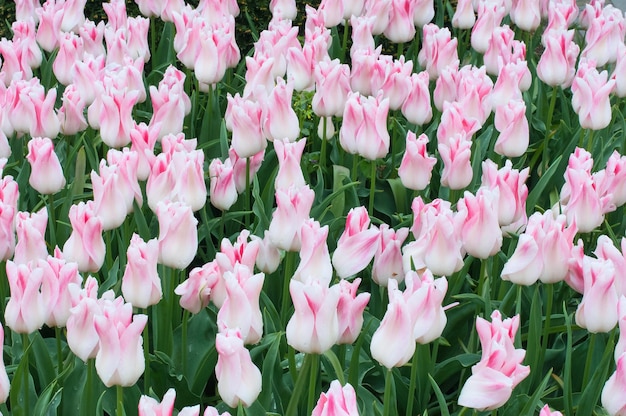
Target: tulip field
x,y
375,207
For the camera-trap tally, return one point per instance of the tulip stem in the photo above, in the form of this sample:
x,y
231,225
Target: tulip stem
x,y
412,384
184,344
344,45
120,401
546,327
288,273
247,197
372,188
299,386
315,362
322,162
355,166
146,354
589,360
546,147
387,397
589,146
57,333
240,410
25,346
52,220
91,400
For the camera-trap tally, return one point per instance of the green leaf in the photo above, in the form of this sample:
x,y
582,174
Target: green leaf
x,y
340,173
49,400
43,359
540,187
443,406
531,405
592,391
271,365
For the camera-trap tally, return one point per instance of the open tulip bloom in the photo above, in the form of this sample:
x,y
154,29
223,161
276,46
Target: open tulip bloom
x,y
234,207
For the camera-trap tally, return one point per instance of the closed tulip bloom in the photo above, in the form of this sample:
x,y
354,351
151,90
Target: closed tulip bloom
x,y
477,219
357,244
111,112
332,86
511,122
426,294
456,121
511,82
416,166
362,38
417,108
314,256
438,50
557,64
195,292
401,27
597,312
606,250
26,311
493,379
464,16
107,196
612,397
489,16
314,326
70,50
240,166
279,118
545,411
178,234
392,343
511,187
337,400
31,110
287,9
170,103
150,407
120,359
268,258
5,384
457,169
364,65
526,14
293,206
241,307
7,231
60,274
223,190
364,129
620,347
31,232
243,118
141,284
143,139
590,96
602,36
46,175
499,50
208,67
300,65
350,311
71,113
238,379
388,258
85,245
289,156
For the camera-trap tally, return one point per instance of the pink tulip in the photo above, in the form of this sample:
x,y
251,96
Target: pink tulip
x,y
31,232
337,400
365,63
111,112
25,9
332,87
150,407
513,79
526,14
92,35
416,166
499,49
26,311
493,379
314,326
590,96
300,65
416,108
86,74
7,231
274,42
238,379
464,17
268,258
364,127
473,93
5,384
243,118
457,170
612,399
438,245
127,163
31,110
287,9
620,347
477,220
455,121
70,50
143,139
545,411
512,190
120,359
243,251
85,245
350,311
362,38
357,244
208,67
604,33
620,67
71,113
426,295
511,122
606,250
289,170
241,307
489,16
107,196
611,180
178,234
60,275
401,27
279,118
293,206
223,190
397,82
46,175
598,310
314,256
240,165
381,11
141,284
170,102
438,50
391,346
196,291
557,64
388,258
